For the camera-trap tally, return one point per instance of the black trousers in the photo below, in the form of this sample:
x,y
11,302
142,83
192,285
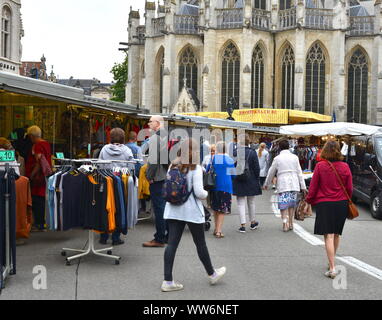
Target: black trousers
x,y
176,229
38,209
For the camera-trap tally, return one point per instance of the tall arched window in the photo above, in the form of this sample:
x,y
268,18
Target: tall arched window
x,y
6,32
315,80
287,89
260,4
358,72
161,81
230,76
188,69
257,79
285,4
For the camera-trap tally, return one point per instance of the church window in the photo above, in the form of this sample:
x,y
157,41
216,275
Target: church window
x,y
6,32
260,4
230,76
315,80
188,69
358,72
257,78
161,82
287,90
285,4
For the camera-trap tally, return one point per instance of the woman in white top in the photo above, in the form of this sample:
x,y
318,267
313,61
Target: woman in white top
x,y
191,213
263,156
290,182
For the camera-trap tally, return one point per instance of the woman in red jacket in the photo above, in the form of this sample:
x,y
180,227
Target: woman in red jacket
x,y
330,200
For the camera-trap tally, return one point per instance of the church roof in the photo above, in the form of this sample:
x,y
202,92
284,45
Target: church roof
x,y
194,97
358,11
188,9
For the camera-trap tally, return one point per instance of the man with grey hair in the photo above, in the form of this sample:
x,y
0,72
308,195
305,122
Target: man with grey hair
x,y
38,155
156,174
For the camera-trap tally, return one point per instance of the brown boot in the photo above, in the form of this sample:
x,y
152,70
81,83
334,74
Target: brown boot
x,y
153,244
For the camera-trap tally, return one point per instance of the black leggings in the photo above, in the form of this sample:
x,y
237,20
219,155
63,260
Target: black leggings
x,y
176,229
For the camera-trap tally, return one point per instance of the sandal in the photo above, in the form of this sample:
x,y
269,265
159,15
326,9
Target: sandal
x,y
219,235
285,227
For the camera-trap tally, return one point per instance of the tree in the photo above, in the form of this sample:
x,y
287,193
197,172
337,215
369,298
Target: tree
x,y
119,72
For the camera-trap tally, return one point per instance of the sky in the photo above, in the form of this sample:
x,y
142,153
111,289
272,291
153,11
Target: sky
x,y
80,38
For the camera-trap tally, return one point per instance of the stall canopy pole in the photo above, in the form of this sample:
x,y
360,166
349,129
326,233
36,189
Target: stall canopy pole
x,y
71,132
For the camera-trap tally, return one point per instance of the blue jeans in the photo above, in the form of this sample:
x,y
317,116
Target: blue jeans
x,y
159,204
115,236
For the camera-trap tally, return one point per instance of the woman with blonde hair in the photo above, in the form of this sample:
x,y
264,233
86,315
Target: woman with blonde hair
x,y
191,212
263,156
327,194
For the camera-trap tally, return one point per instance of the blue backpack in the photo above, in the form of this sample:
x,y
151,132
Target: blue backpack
x,y
175,189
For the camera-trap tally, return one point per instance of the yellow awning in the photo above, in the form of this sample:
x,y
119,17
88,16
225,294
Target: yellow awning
x,y
267,116
306,116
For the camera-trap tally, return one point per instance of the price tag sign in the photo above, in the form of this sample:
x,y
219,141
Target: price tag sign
x,y
60,155
7,155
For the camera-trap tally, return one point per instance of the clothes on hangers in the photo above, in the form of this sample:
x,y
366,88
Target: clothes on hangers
x,y
101,200
8,184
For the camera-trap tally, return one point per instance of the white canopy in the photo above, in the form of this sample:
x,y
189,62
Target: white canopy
x,y
332,128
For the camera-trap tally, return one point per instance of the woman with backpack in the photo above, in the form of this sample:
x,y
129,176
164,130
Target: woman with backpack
x,y
186,208
247,185
221,195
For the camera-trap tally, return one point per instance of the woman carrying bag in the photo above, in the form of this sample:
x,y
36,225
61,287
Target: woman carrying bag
x,y
190,213
247,186
327,194
290,182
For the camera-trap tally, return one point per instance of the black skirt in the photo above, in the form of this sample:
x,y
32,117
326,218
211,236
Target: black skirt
x,y
331,217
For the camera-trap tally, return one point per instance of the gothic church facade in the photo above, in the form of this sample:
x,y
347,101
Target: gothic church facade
x,y
323,56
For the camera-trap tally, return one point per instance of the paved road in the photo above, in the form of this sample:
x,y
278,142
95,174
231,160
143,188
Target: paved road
x,y
262,264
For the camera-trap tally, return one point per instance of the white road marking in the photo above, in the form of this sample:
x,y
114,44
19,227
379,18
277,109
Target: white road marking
x,y
305,235
302,233
362,266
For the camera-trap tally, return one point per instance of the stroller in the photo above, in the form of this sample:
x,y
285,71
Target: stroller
x,y
207,214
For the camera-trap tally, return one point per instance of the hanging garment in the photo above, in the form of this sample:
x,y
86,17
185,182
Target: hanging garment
x,y
144,185
7,184
23,208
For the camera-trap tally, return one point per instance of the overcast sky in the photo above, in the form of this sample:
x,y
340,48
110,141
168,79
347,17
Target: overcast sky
x,y
79,37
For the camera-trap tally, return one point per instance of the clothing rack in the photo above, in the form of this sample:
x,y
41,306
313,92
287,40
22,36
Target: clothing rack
x,y
8,270
90,244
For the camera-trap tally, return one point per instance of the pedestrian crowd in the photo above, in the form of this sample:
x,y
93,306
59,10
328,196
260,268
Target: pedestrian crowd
x,y
179,197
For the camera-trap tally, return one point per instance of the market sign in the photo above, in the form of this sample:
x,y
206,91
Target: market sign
x,y
60,155
7,155
272,116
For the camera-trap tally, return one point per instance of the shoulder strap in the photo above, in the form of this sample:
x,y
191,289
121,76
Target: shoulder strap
x,y
339,178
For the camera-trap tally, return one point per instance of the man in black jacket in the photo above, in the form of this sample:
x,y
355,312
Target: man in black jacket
x,y
156,174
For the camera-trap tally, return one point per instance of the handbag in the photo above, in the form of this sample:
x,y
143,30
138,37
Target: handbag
x,y
353,211
300,210
209,179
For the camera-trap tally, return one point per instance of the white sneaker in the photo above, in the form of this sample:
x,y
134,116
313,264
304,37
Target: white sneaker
x,y
171,287
219,273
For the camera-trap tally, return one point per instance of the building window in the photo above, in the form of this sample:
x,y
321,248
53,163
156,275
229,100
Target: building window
x,y
257,79
260,4
188,69
358,72
315,80
285,4
230,76
287,89
6,32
